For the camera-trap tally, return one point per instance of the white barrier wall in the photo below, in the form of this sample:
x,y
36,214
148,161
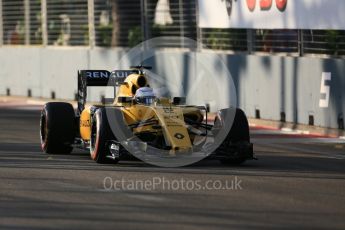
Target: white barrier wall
x,y
272,85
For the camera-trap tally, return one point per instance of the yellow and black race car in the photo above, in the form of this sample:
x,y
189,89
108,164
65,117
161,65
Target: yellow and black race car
x,y
138,122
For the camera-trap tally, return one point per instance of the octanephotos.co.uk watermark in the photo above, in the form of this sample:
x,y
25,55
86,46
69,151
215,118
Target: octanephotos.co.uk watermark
x,y
163,183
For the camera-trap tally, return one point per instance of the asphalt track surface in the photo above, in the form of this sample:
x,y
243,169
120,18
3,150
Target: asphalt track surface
x,y
298,182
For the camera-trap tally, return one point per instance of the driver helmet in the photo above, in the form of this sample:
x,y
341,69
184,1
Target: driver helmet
x,y
145,95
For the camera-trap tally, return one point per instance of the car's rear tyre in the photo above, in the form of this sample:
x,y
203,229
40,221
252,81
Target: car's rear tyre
x,y
58,128
100,135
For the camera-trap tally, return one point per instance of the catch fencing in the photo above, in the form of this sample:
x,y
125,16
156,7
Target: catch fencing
x,y
125,23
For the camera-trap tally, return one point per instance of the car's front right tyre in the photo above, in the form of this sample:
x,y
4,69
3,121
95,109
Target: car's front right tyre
x,y
236,147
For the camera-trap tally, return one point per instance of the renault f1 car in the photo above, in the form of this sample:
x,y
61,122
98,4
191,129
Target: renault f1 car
x,y
136,115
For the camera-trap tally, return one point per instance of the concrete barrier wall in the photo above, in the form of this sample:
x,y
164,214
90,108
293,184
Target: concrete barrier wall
x,y
270,85
291,85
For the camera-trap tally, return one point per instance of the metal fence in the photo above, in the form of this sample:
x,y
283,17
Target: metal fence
x,y
67,22
125,23
13,22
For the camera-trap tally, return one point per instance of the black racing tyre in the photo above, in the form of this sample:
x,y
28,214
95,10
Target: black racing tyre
x,y
100,135
233,162
239,132
57,128
240,127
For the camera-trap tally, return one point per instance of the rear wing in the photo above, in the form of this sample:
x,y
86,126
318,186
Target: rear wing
x,y
87,78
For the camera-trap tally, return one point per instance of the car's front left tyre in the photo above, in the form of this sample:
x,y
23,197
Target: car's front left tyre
x,y
101,134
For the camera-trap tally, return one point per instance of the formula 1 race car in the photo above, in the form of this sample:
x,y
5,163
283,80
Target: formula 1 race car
x,y
137,117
